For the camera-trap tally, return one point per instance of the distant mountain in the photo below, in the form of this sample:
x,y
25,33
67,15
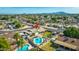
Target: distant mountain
x,y
57,13
63,13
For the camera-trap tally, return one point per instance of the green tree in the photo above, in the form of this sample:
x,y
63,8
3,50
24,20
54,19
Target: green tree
x,y
72,32
47,34
16,23
5,17
4,44
20,42
54,20
16,36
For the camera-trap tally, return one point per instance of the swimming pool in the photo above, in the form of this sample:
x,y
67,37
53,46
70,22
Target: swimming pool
x,y
38,40
24,48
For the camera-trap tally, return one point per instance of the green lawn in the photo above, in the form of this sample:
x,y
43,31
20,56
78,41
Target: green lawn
x,y
48,46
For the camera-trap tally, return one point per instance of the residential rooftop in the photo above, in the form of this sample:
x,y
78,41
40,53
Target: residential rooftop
x,y
71,43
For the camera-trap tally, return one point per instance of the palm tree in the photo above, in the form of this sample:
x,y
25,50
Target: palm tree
x,y
4,44
16,36
20,42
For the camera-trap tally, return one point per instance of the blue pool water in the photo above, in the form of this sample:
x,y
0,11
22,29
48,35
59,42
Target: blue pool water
x,y
24,48
37,40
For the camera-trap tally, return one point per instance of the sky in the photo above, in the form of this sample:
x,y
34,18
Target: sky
x,y
35,10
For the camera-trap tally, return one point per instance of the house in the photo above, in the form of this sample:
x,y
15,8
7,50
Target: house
x,y
66,42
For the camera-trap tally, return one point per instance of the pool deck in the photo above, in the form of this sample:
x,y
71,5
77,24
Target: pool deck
x,y
44,44
26,41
